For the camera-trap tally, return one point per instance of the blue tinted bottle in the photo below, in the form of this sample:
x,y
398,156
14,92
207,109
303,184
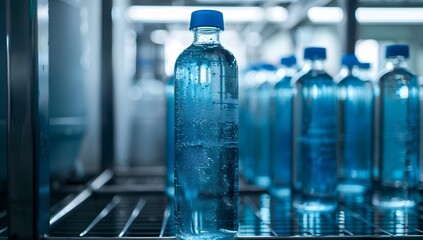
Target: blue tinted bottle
x,y
281,129
399,132
170,137
355,145
246,123
206,134
315,135
262,114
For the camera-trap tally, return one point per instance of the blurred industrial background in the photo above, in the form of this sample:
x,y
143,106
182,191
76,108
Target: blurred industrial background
x,y
149,35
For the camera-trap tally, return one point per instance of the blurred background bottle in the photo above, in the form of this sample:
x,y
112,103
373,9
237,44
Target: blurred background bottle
x,y
262,114
355,138
148,108
281,128
315,135
246,123
399,128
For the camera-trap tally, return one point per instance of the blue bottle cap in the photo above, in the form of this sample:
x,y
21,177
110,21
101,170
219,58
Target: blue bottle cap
x,y
206,18
315,53
364,66
289,61
349,60
397,50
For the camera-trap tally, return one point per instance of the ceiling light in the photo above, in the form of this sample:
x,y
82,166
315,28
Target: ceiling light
x,y
389,15
276,14
170,14
325,14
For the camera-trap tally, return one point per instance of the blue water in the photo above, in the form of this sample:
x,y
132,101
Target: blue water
x,y
399,138
355,134
281,132
262,148
206,143
170,137
246,135
315,140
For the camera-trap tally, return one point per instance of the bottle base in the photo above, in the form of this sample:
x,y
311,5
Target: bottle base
x,y
170,192
315,206
222,234
280,192
391,197
263,182
351,188
386,202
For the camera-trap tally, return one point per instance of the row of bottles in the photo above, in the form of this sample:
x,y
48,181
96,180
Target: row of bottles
x,y
305,132
300,131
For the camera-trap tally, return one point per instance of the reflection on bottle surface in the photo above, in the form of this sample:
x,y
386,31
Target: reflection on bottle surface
x,y
170,137
315,137
399,152
206,137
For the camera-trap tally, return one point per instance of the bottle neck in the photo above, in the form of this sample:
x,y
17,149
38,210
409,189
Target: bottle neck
x,y
350,71
206,35
291,71
396,62
314,65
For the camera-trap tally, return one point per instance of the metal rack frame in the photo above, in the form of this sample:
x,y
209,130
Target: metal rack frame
x,y
103,209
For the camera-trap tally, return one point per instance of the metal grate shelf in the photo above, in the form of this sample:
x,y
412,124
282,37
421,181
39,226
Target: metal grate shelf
x,y
115,212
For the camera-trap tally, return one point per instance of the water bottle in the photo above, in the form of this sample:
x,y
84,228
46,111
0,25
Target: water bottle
x,y
148,123
262,114
281,129
365,71
246,123
399,129
355,143
315,135
170,137
206,134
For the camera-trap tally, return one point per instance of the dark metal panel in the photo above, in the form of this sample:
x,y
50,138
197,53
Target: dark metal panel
x,y
28,180
348,28
107,94
3,107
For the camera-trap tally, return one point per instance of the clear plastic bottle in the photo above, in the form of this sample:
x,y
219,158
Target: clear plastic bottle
x,y
399,129
355,143
281,129
315,135
170,137
262,114
246,123
206,134
148,123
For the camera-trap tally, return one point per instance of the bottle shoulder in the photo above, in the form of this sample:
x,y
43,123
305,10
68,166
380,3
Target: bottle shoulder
x,y
397,73
353,81
206,53
285,82
315,77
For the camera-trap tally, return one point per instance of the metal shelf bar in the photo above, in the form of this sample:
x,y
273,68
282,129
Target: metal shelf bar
x,y
140,205
110,206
